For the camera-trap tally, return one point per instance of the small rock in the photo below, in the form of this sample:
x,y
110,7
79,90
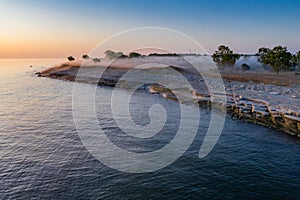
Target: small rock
x,y
274,93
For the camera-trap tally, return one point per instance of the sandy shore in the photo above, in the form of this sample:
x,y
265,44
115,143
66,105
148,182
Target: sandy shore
x,y
258,96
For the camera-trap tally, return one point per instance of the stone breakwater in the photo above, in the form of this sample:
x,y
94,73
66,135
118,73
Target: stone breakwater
x,y
251,110
239,107
247,109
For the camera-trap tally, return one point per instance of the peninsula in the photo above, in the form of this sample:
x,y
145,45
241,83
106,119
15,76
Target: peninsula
x,y
256,95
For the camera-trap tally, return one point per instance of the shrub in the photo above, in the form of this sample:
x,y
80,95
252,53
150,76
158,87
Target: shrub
x,y
113,55
120,55
96,60
110,54
85,57
245,67
70,58
134,55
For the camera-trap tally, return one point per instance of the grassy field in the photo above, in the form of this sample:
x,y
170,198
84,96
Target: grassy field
x,y
283,78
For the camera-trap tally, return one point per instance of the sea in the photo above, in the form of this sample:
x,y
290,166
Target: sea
x,y
42,155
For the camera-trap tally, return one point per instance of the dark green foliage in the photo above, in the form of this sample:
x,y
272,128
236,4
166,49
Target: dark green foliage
x,y
96,60
70,58
85,57
120,55
123,56
134,55
278,58
224,56
113,55
110,54
297,58
164,54
245,67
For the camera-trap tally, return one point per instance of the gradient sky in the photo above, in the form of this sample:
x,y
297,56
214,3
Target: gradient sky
x,y
40,28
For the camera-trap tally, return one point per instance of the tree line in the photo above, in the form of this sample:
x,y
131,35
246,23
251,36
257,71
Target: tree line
x,y
279,58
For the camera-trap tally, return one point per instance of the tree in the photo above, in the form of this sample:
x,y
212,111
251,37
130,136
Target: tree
x,y
278,58
85,57
297,58
134,55
70,58
96,60
110,54
120,55
224,56
113,55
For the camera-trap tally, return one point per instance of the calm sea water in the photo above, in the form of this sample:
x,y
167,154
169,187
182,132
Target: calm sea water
x,y
42,156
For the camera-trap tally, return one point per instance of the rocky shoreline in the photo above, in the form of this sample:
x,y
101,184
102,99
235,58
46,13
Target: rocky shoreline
x,y
250,110
237,106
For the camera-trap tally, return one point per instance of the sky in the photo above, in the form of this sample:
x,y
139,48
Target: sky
x,y
55,29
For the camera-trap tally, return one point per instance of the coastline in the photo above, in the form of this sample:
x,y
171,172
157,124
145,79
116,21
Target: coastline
x,y
257,101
